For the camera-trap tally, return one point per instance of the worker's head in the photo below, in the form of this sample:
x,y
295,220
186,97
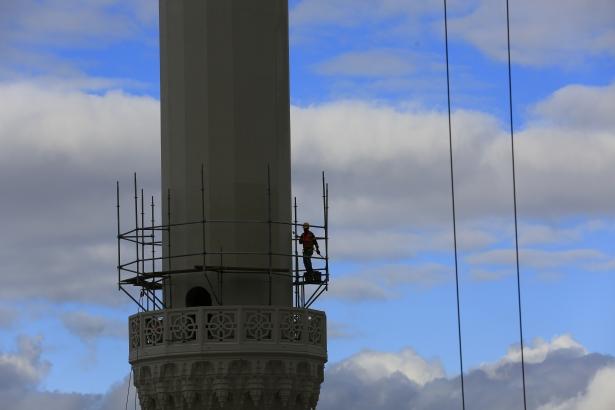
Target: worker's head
x,y
306,226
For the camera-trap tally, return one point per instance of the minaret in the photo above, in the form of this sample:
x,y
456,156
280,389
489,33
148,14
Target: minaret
x,y
226,335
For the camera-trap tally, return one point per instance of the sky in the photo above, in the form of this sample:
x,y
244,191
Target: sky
x,y
79,109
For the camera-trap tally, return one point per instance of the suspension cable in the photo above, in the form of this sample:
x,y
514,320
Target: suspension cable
x,y
450,141
514,183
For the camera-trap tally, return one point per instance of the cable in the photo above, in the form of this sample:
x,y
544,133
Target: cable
x,y
450,141
128,392
514,182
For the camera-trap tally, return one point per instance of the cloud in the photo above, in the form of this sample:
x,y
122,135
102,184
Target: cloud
x,y
399,381
34,33
357,289
578,107
389,165
357,13
74,22
25,367
8,317
61,154
548,32
21,374
536,258
598,396
537,352
361,64
63,149
339,330
89,327
379,381
371,366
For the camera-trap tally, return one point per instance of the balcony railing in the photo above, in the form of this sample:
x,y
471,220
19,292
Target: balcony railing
x,y
257,329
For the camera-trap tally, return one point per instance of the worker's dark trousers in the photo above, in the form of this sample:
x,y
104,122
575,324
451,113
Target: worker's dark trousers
x,y
307,259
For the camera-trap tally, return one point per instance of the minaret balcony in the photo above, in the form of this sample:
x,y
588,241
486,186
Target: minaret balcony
x,y
227,330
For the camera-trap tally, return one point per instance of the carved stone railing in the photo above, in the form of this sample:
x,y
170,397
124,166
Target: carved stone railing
x,y
227,330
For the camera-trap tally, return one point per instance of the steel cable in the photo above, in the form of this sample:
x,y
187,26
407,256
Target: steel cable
x,y
514,183
450,140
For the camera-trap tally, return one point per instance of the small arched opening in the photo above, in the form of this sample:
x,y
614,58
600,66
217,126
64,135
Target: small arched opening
x,y
198,296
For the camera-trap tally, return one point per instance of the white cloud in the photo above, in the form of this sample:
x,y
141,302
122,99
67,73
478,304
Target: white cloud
x,y
389,165
23,371
547,32
600,394
63,149
378,381
403,381
24,367
578,107
371,366
536,352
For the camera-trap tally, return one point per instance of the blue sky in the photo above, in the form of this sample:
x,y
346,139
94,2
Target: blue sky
x,y
79,99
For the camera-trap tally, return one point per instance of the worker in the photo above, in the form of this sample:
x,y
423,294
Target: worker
x,y
308,240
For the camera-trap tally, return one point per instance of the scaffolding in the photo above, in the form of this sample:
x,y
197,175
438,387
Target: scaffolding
x,y
146,267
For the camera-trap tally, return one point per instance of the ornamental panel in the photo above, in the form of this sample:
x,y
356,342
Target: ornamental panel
x,y
134,332
154,330
258,325
183,327
315,329
291,326
221,326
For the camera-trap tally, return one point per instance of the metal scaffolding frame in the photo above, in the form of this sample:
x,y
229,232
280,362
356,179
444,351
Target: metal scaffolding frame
x,y
144,270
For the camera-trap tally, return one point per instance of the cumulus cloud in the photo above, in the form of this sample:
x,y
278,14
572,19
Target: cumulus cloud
x,y
21,374
379,381
542,33
25,367
61,154
537,352
389,381
371,366
387,167
598,396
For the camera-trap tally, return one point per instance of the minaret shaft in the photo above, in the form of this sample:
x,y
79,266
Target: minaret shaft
x,y
225,105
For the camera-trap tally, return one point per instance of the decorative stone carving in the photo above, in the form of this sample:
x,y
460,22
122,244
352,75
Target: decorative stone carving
x,y
183,327
259,326
228,358
221,326
154,328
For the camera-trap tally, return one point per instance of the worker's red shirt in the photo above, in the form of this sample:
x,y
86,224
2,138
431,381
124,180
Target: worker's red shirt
x,y
308,240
